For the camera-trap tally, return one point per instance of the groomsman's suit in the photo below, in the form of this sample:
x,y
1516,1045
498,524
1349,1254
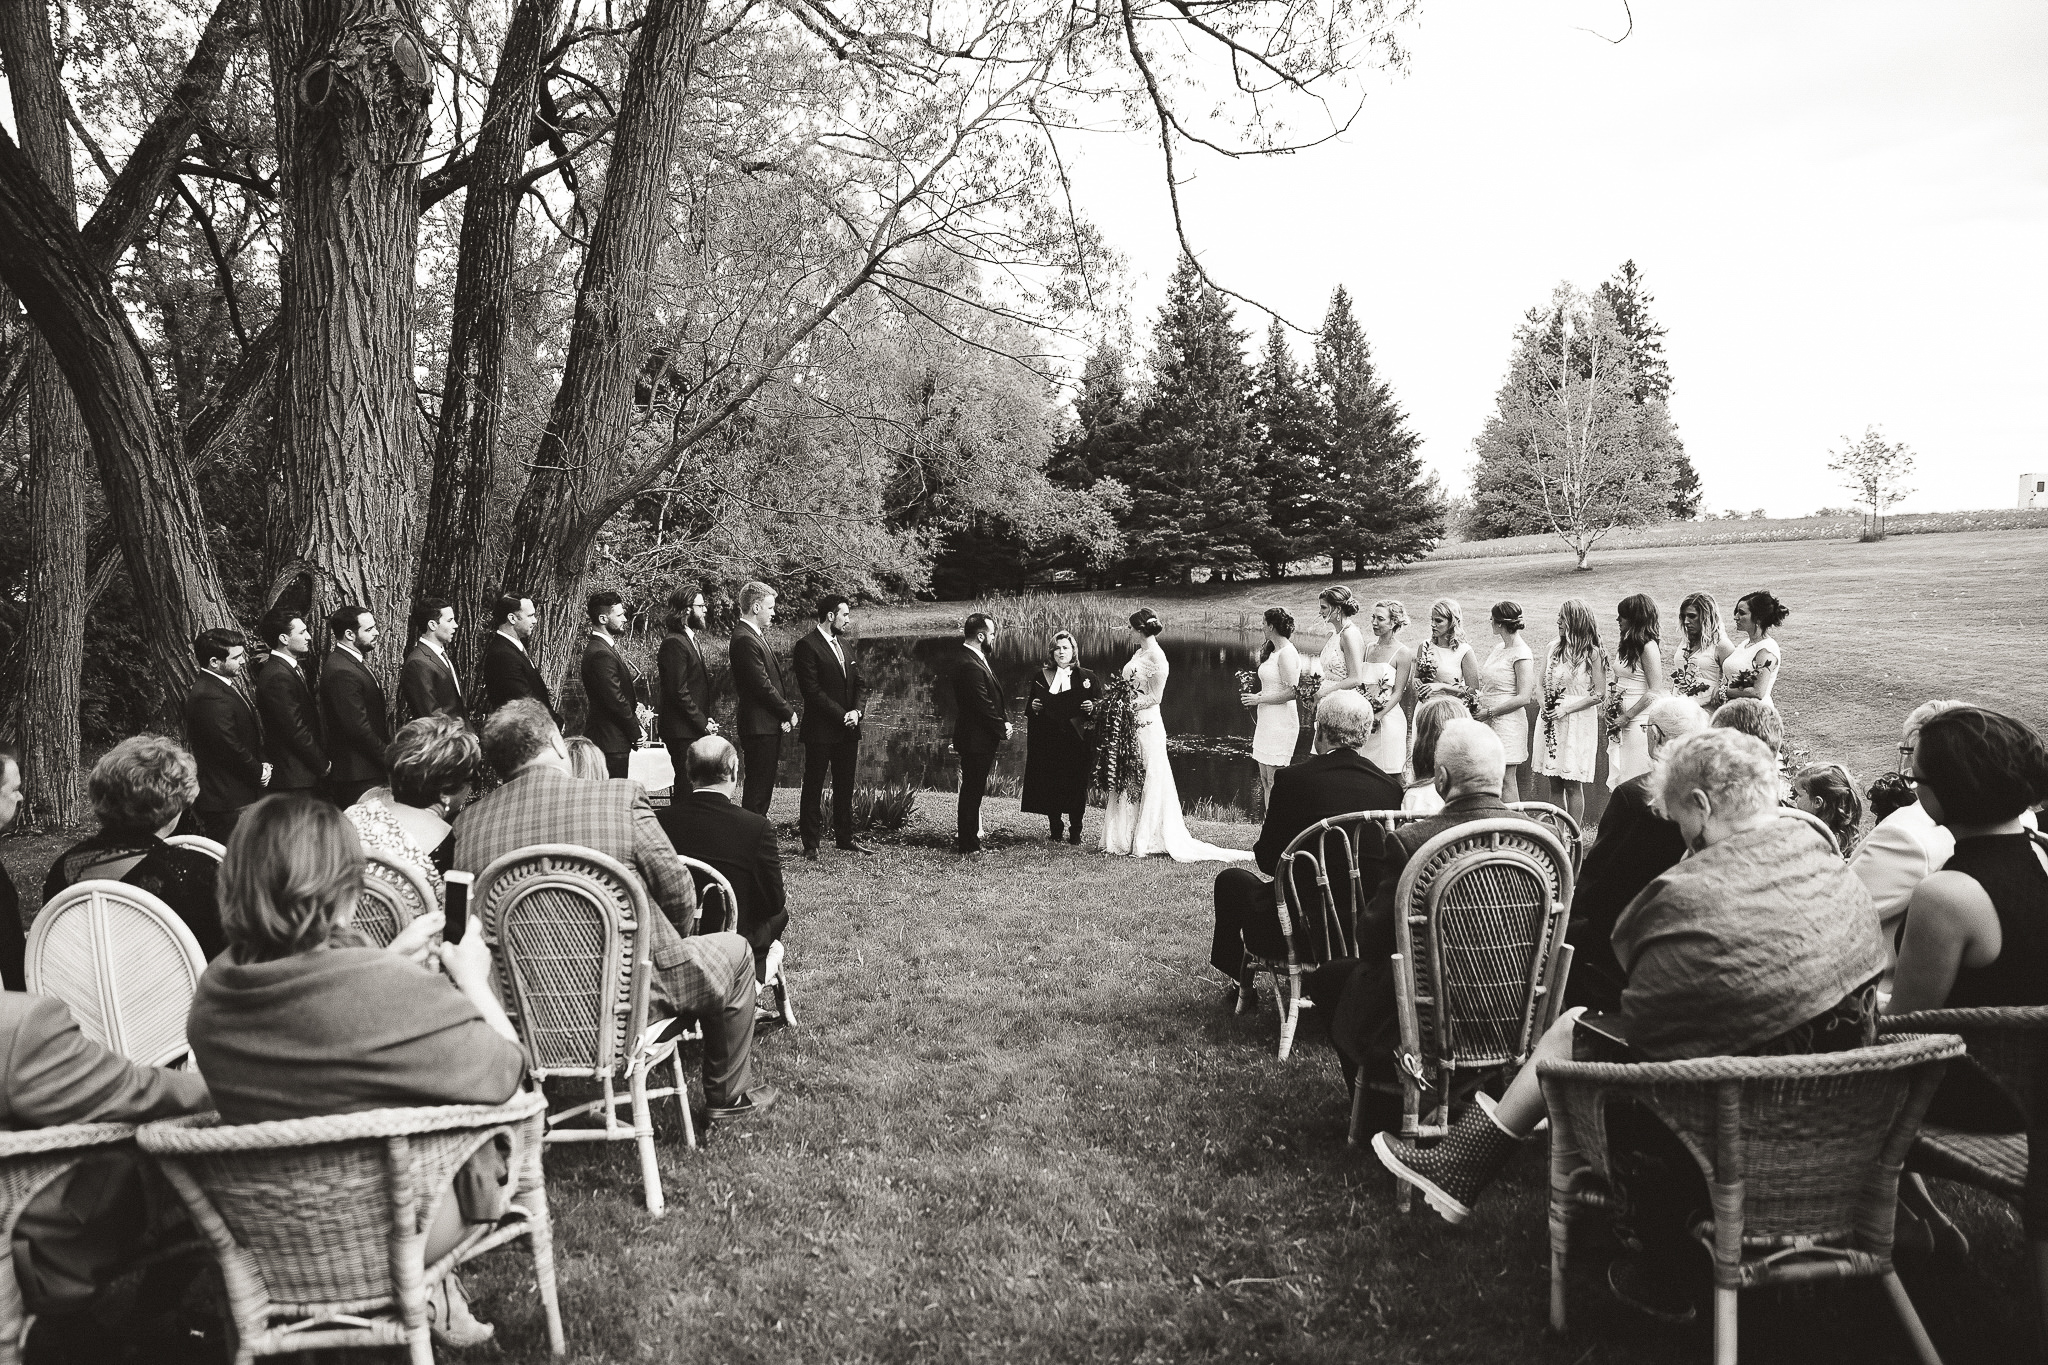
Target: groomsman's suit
x,y
980,723
291,725
358,725
684,693
509,674
613,724
831,685
227,741
764,708
427,684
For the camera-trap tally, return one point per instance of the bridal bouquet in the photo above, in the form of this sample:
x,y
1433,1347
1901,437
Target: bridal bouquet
x,y
1687,682
1248,683
1553,693
1119,767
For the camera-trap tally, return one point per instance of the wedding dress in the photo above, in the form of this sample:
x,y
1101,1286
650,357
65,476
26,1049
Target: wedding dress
x,y
1153,823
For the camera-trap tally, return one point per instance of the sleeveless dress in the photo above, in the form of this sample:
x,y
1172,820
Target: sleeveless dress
x,y
1577,747
1153,823
1705,665
2005,866
1629,755
1496,685
1388,750
1331,664
1745,657
1279,727
1449,664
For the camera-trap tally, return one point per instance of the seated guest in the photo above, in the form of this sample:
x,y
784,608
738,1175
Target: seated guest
x,y
1421,797
1637,842
1337,780
300,1018
1827,792
586,761
708,976
13,941
139,791
1906,845
711,826
433,763
1759,944
1359,993
1759,720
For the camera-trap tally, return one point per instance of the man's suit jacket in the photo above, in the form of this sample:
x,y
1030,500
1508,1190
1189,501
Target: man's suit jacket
x,y
355,716
1376,925
227,740
613,723
683,696
979,714
52,1074
712,828
510,674
1335,783
291,726
829,691
427,685
763,686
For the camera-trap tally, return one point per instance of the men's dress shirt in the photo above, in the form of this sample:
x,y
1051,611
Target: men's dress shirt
x,y
1062,679
442,654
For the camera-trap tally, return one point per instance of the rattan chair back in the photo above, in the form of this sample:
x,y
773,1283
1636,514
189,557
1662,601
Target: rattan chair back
x,y
1558,821
29,1161
718,905
2009,1044
569,930
395,893
124,964
1321,889
320,1224
212,848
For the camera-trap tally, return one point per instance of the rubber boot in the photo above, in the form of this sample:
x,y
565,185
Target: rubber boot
x,y
1453,1172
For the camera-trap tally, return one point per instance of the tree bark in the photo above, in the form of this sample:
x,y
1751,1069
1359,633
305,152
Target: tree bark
x,y
566,500
352,86
466,444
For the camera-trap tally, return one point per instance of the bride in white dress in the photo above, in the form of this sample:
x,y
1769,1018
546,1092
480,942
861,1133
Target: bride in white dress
x,y
1153,823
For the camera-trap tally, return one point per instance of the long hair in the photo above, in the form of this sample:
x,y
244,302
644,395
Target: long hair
x,y
1430,719
1578,636
1841,808
289,882
1281,621
586,760
1449,606
1639,627
1709,631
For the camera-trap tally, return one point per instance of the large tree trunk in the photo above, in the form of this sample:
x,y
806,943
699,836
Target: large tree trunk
x,y
466,446
352,86
59,457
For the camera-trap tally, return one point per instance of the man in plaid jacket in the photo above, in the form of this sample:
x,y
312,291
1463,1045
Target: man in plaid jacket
x,y
710,976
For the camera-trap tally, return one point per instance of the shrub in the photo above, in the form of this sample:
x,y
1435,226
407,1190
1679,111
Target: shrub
x,y
888,806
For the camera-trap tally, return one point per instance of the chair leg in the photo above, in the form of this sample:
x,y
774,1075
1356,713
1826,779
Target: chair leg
x,y
421,1347
14,1319
643,1135
1356,1133
1910,1320
675,1060
1288,1021
1725,1299
540,1240
1560,1247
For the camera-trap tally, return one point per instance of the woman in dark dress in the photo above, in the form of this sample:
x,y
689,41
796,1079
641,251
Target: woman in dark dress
x,y
1062,753
140,791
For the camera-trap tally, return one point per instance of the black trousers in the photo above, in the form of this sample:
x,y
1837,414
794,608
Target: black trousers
x,y
1245,918
615,764
974,771
217,825
1357,997
761,754
346,794
810,824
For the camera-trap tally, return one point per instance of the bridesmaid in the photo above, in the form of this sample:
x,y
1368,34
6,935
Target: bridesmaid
x,y
1389,748
1279,720
1450,660
1706,644
1061,757
1576,673
1757,614
1343,658
1642,682
1507,689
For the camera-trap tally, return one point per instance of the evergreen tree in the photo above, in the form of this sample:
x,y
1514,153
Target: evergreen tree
x,y
1644,336
1283,416
1373,503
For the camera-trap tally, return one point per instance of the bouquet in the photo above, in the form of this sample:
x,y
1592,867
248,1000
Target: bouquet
x,y
1379,696
1553,693
1613,709
1248,683
1429,682
1305,688
1118,765
1746,678
1687,682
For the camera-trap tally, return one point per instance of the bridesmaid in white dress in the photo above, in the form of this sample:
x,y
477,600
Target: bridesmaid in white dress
x,y
1756,616
1343,658
1279,720
1446,657
1153,823
1569,748
1706,644
1421,797
1387,658
1507,689
1641,661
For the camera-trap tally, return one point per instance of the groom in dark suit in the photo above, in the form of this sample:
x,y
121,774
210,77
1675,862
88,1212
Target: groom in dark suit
x,y
830,683
980,723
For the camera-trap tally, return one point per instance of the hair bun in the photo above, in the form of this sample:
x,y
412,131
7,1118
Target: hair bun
x,y
1147,620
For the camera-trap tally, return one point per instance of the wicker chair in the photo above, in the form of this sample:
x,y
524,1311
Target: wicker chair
x,y
2010,1046
123,962
1558,821
1317,922
320,1225
395,893
570,930
212,848
29,1161
713,883
1802,1156
1480,963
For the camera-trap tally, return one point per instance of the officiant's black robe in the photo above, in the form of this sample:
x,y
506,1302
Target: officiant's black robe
x,y
1061,759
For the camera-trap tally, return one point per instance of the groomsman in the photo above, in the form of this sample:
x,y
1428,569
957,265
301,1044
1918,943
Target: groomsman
x,y
427,684
225,735
765,712
509,672
980,723
683,695
833,694
613,723
352,706
285,705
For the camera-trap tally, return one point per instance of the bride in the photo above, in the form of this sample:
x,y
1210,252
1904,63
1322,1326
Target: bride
x,y
1152,823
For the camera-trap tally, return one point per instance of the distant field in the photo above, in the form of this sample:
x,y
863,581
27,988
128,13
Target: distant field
x,y
1754,532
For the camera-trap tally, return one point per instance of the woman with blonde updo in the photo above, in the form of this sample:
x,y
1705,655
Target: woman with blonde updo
x,y
1343,658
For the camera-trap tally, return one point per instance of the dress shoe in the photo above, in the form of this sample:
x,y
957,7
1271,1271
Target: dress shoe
x,y
967,850
856,846
759,1100
810,853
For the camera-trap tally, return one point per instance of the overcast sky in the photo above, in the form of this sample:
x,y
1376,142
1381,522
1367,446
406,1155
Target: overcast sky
x,y
1841,208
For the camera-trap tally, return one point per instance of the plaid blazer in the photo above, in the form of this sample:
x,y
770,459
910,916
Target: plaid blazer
x,y
545,805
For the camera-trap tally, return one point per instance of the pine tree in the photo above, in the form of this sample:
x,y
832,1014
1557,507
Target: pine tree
x,y
1283,417
1644,336
1373,503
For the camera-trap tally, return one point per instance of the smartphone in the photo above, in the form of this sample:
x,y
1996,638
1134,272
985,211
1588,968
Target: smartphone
x,y
456,904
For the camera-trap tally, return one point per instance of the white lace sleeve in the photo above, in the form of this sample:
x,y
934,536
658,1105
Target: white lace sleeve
x,y
1150,676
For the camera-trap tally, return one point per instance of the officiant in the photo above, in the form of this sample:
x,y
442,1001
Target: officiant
x,y
1061,759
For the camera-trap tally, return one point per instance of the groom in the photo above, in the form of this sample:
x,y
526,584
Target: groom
x,y
980,723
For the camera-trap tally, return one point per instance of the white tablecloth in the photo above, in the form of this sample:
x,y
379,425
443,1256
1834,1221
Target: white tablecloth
x,y
652,768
